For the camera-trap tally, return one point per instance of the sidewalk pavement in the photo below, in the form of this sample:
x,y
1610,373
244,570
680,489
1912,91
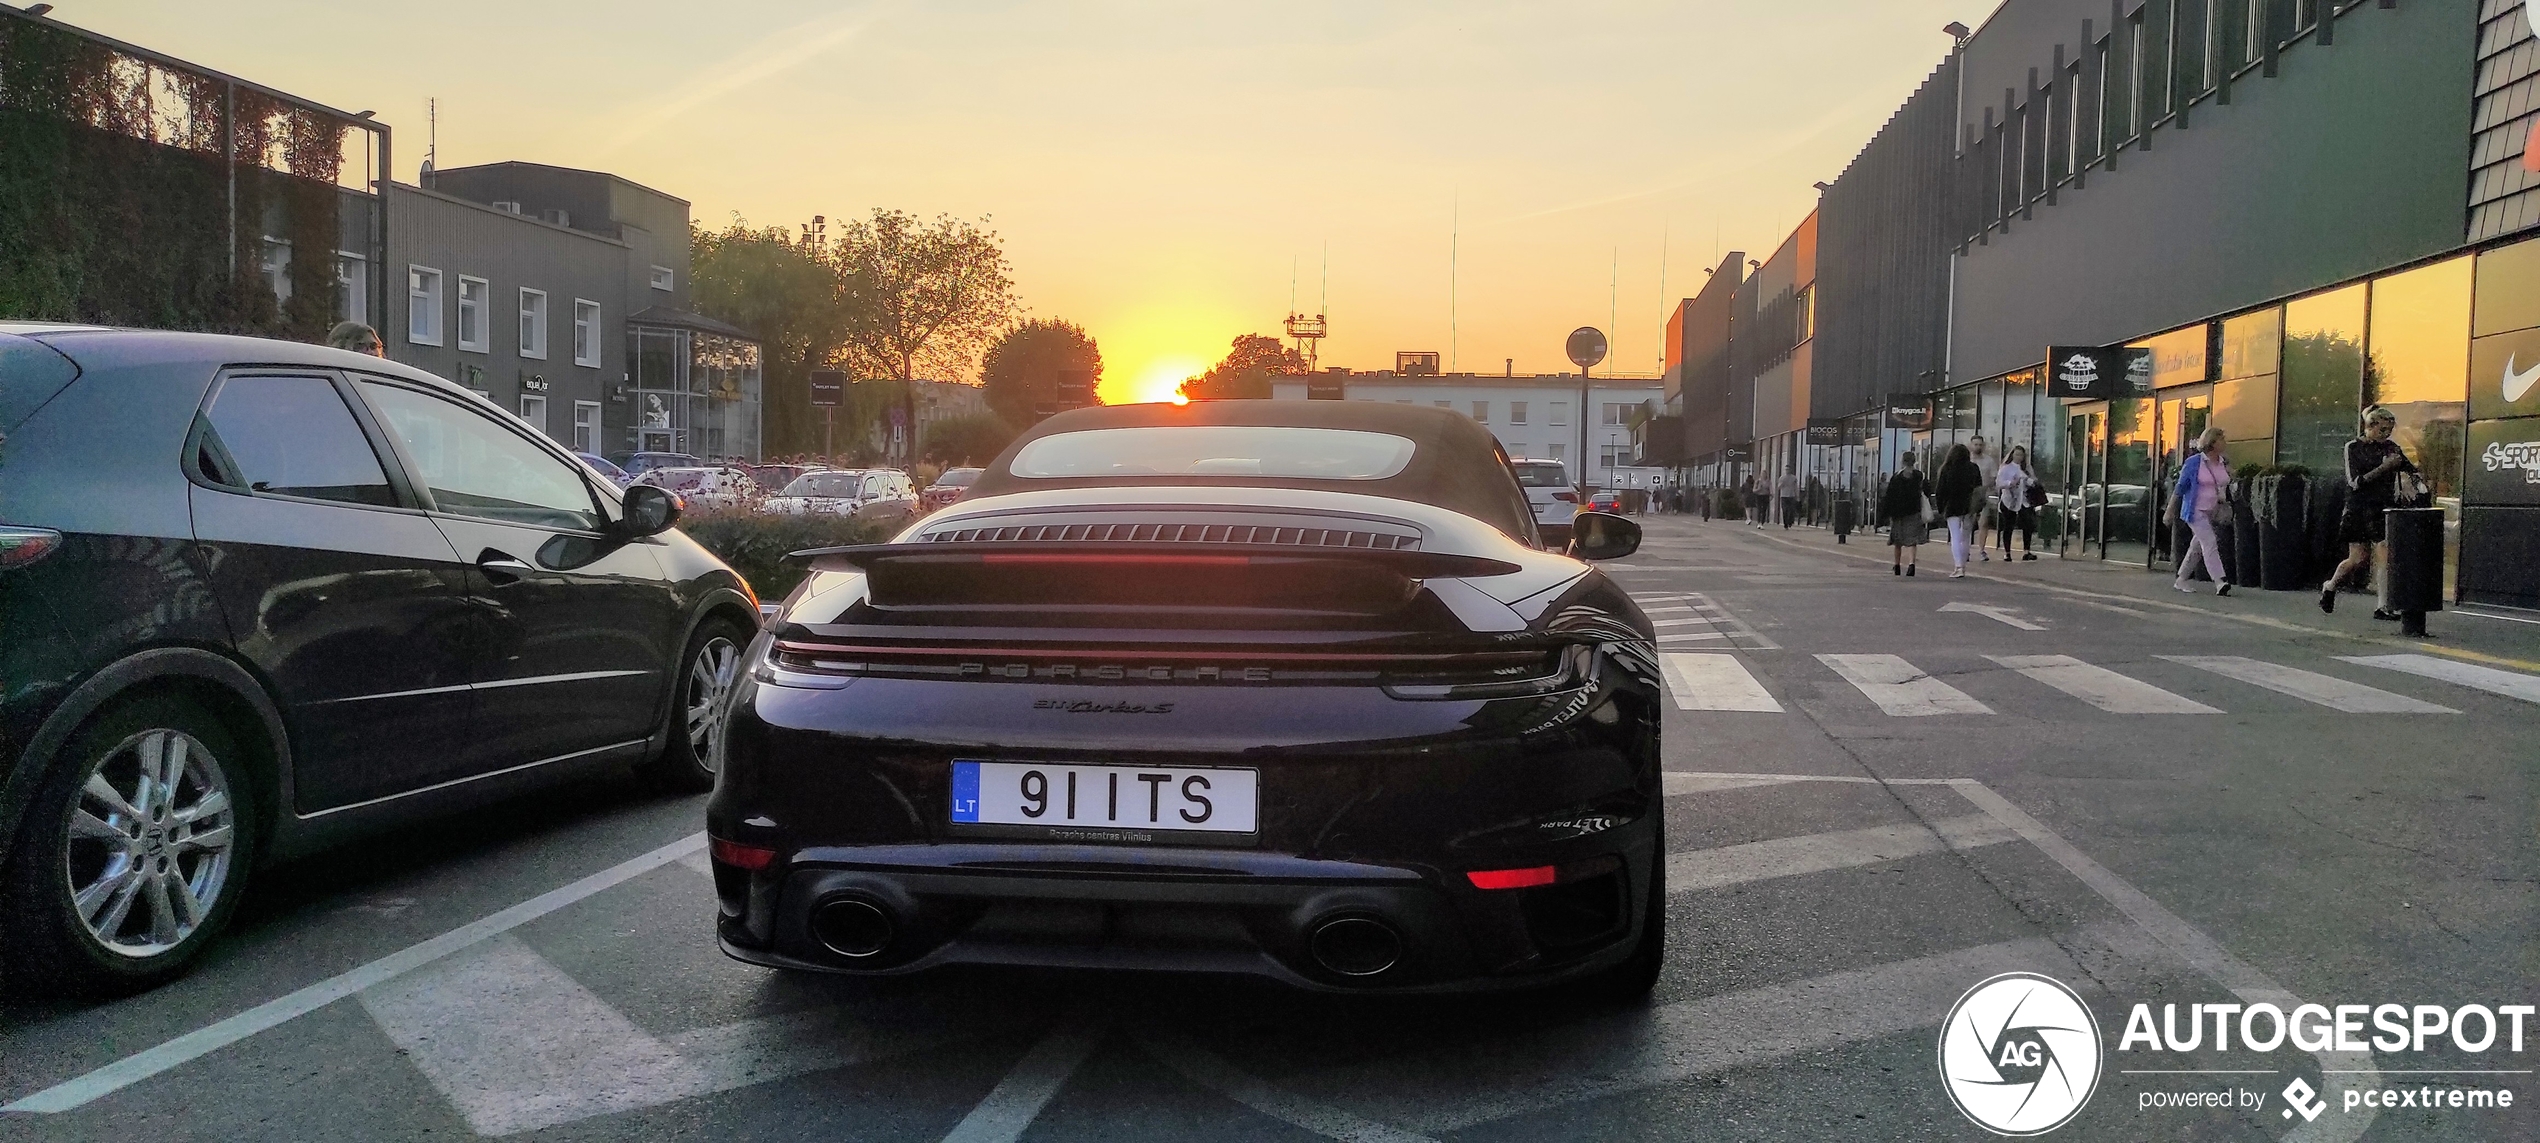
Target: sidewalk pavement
x,y
2496,636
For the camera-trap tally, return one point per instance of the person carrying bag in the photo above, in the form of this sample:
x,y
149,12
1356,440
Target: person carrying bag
x,y
1908,511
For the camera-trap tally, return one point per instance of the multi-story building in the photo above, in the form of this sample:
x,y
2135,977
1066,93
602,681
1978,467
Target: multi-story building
x,y
562,295
1532,415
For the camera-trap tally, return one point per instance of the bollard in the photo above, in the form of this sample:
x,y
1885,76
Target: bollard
x,y
1842,520
2413,583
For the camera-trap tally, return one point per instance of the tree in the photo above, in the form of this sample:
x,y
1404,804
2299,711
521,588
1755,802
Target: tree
x,y
921,296
1026,364
790,295
1251,361
969,439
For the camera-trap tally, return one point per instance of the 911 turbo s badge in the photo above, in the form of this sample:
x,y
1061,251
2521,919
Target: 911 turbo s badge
x,y
1088,706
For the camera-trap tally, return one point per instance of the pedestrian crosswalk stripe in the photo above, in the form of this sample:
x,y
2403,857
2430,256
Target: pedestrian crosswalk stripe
x,y
2495,682
1693,637
1714,682
2099,686
1680,623
1901,688
2327,691
1818,853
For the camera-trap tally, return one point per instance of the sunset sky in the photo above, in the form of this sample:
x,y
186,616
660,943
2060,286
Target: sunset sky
x,y
1163,172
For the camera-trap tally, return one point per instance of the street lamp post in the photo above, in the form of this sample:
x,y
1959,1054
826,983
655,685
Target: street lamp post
x,y
1586,347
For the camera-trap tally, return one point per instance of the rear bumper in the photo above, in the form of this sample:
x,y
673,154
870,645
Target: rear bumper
x,y
1216,911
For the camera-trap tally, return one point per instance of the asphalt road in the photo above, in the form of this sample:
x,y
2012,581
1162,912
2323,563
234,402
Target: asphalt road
x,y
1877,800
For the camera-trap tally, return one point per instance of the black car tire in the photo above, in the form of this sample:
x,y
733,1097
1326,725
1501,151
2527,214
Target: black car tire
x,y
51,947
686,761
1631,981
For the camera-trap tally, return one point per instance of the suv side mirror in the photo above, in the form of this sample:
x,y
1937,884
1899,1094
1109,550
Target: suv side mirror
x,y
1602,536
651,510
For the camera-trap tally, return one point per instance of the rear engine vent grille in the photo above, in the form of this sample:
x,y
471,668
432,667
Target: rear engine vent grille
x,y
1188,533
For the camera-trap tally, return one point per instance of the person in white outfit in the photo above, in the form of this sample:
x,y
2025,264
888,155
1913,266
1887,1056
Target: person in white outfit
x,y
2199,493
2010,492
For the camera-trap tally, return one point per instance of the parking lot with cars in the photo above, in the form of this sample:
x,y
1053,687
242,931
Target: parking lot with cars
x,y
1872,803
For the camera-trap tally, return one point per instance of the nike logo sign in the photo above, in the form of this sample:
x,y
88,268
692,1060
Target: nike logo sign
x,y
2517,384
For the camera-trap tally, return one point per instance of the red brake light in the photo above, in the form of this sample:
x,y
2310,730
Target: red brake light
x,y
733,853
1511,878
22,546
1125,558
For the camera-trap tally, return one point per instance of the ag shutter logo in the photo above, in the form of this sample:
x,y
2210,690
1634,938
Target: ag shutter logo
x,y
2020,1054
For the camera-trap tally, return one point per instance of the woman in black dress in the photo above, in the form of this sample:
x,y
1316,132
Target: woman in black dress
x,y
1959,489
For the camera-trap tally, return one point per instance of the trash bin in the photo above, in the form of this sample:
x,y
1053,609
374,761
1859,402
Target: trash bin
x,y
2413,584
1842,520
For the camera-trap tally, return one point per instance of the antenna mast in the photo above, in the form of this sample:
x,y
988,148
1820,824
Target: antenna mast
x,y
1308,332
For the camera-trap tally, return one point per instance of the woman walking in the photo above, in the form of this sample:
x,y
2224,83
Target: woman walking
x,y
2199,492
2373,465
2011,486
1959,489
1902,504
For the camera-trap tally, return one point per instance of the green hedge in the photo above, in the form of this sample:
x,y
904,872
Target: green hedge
x,y
755,545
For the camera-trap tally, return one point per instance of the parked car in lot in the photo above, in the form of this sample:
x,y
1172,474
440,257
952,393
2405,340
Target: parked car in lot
x,y
1286,688
605,467
1605,501
1549,497
875,495
948,489
706,489
638,463
772,478
260,597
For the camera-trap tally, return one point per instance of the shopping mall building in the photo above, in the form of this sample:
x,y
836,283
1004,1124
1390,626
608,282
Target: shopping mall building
x,y
2301,208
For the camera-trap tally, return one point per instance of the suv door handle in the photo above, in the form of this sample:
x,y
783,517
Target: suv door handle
x,y
501,568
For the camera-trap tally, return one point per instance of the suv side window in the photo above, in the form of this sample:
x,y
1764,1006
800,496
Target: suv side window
x,y
476,467
291,436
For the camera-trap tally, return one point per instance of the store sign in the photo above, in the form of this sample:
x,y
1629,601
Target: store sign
x,y
1825,431
828,387
532,383
1908,411
2504,463
1857,431
2504,375
2094,373
1327,387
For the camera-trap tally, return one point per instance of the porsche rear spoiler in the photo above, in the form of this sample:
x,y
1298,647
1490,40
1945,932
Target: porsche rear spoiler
x,y
1022,555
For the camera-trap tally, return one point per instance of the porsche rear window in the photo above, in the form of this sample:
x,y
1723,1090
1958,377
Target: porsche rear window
x,y
1216,450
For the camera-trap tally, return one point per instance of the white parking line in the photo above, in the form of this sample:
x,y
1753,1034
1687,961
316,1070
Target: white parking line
x,y
1818,853
1205,1068
2099,686
1714,682
516,1045
1901,688
213,1037
2495,682
2325,690
1018,1098
1474,1083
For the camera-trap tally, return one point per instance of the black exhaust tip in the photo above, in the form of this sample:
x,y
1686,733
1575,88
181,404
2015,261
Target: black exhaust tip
x,y
1354,946
853,927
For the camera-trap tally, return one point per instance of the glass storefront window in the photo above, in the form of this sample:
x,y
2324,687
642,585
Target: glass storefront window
x,y
2252,345
2323,371
2508,289
2419,364
2178,358
2245,410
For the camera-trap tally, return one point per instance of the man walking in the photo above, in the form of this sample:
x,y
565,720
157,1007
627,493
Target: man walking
x,y
1989,513
1786,487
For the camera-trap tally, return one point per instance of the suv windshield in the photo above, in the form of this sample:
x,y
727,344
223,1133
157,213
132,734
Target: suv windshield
x,y
1216,450
823,484
1541,475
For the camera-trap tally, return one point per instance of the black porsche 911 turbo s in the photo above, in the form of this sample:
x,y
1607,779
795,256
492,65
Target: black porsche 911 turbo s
x,y
1279,688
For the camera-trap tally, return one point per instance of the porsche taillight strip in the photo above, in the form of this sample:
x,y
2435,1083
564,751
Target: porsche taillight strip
x,y
1170,533
1107,664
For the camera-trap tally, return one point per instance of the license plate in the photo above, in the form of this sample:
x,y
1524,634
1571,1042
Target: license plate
x,y
1110,797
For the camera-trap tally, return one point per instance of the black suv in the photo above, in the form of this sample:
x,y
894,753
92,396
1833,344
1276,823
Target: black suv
x,y
258,596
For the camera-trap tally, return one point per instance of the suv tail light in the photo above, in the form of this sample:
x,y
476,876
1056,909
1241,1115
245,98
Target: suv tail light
x,y
22,546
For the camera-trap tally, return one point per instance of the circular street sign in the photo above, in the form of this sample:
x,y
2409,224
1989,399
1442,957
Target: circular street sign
x,y
1586,346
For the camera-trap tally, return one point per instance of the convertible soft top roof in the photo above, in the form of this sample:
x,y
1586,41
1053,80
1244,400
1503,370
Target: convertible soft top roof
x,y
1455,464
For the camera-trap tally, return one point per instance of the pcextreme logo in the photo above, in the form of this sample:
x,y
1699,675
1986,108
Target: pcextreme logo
x,y
2020,1054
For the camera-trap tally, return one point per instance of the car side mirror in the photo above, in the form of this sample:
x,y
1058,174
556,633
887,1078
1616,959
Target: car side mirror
x,y
650,510
1602,536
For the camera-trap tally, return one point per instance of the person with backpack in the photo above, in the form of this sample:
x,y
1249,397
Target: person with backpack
x,y
2016,492
2197,496
1959,490
1904,505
